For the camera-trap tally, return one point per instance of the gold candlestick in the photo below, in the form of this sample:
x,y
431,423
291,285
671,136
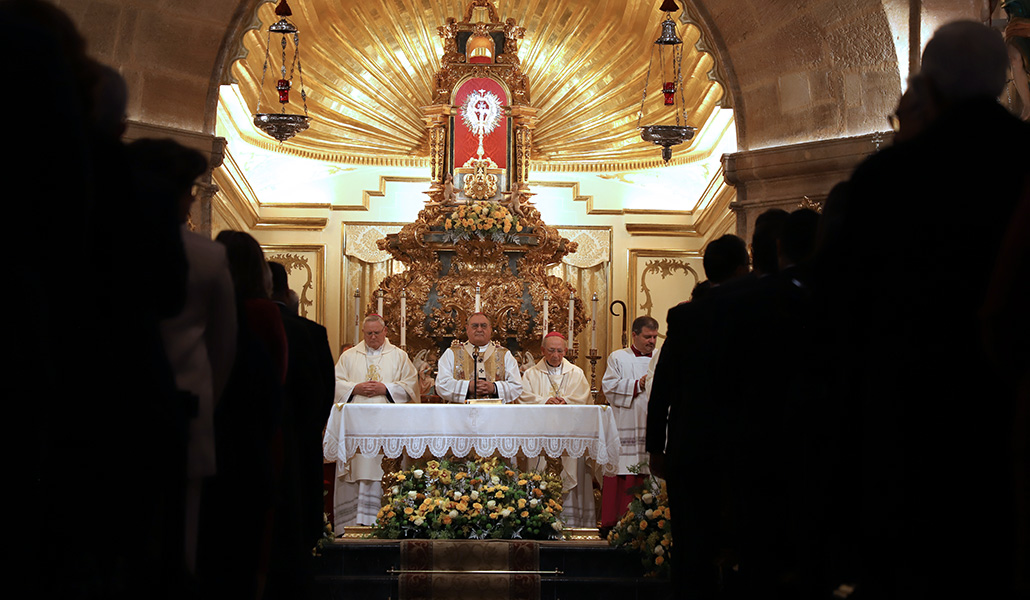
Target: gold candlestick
x,y
593,358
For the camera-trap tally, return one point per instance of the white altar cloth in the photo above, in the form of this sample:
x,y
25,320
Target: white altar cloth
x,y
509,429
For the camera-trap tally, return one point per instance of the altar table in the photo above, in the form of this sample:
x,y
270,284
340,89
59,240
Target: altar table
x,y
508,429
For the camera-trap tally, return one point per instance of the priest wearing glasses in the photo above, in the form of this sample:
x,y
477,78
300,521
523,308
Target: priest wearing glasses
x,y
478,370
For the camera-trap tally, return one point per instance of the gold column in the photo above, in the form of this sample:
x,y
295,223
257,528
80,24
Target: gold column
x,y
436,117
524,121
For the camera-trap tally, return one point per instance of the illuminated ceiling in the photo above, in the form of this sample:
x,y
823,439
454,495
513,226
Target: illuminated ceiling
x,y
368,68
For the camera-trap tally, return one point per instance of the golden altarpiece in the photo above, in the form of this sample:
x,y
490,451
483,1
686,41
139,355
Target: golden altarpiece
x,y
479,241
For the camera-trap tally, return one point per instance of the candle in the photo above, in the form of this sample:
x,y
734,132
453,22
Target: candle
x,y
357,315
546,298
593,322
379,302
478,306
572,312
404,318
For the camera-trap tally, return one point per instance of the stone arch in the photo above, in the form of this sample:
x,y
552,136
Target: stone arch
x,y
817,69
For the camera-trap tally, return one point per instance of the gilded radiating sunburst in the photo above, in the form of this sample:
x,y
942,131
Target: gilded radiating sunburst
x,y
369,67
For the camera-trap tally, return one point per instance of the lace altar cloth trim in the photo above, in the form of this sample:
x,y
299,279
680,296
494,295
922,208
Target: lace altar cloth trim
x,y
510,430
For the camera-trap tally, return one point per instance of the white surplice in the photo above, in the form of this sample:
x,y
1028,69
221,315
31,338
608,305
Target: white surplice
x,y
629,403
455,390
358,492
566,381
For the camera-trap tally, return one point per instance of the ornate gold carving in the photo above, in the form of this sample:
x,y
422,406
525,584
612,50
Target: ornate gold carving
x,y
295,262
512,34
480,184
504,67
594,246
363,241
309,260
663,267
487,4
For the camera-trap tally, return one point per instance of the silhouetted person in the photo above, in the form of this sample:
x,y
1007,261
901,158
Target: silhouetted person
x,y
922,403
722,413
248,435
765,239
309,390
201,340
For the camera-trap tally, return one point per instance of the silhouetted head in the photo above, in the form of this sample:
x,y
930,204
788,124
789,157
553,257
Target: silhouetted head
x,y
280,282
170,168
768,228
798,240
251,276
725,258
964,60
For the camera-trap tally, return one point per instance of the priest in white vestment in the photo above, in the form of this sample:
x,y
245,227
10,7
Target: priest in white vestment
x,y
554,380
478,370
625,386
373,372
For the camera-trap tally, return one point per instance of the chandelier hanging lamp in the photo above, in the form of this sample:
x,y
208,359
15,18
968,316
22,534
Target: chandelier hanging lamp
x,y
669,50
282,125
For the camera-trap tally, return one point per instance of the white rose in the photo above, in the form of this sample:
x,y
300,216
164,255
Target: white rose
x,y
474,494
649,513
543,485
419,521
396,490
556,525
453,514
647,498
491,504
495,479
412,494
457,495
417,473
533,502
659,550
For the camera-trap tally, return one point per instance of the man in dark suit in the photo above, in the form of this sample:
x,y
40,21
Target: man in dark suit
x,y
726,389
310,383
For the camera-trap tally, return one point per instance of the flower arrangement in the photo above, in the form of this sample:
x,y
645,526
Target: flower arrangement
x,y
482,220
469,499
646,527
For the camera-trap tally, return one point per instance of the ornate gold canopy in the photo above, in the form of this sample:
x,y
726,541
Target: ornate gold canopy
x,y
370,67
